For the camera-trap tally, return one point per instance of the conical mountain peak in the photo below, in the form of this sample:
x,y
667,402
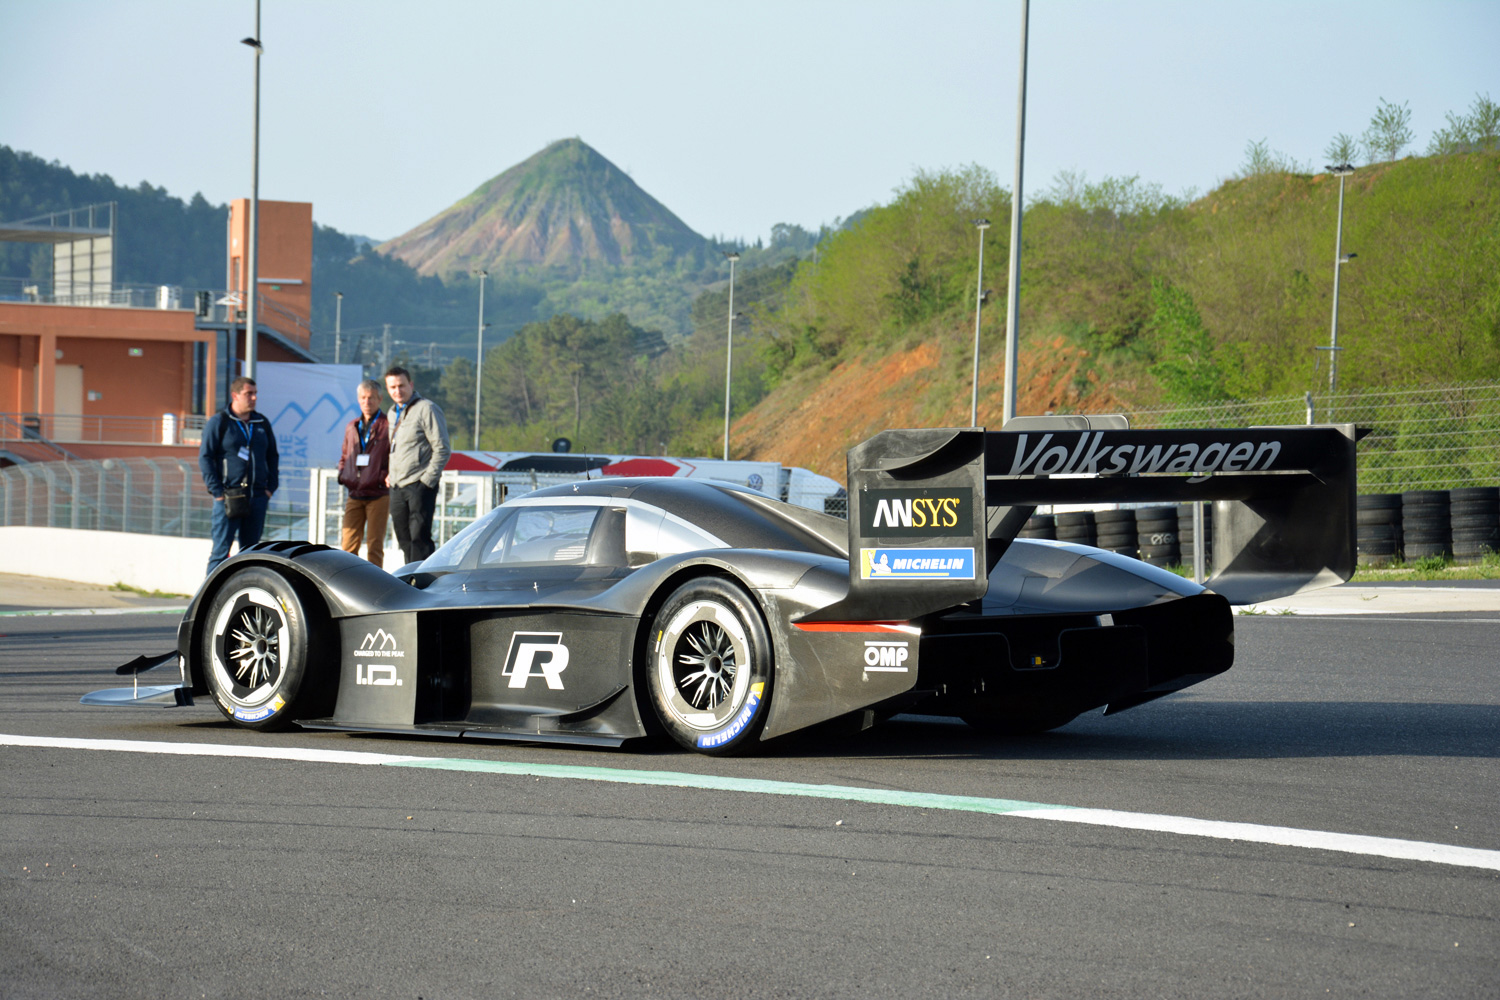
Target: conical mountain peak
x,y
562,207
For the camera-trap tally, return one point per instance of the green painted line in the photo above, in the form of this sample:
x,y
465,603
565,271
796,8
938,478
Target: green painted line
x,y
759,786
176,610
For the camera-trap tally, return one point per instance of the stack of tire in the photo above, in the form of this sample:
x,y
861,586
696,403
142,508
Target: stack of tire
x,y
1426,526
1185,533
1115,530
1476,522
1377,530
1156,534
1040,526
1076,526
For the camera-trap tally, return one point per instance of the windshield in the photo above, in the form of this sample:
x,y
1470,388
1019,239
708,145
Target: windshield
x,y
454,549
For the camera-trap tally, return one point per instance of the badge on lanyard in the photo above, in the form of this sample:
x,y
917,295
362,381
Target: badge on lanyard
x,y
362,460
244,453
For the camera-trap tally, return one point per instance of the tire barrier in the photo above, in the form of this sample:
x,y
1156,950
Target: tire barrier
x,y
1115,530
1156,534
1185,534
1475,519
1076,526
1039,526
1426,528
1378,529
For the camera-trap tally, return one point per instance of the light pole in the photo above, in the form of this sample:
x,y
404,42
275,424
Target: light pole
x,y
1013,286
729,352
1340,171
250,251
479,361
338,325
981,225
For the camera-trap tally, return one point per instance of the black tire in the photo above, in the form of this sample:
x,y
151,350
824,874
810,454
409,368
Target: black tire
x,y
256,647
710,667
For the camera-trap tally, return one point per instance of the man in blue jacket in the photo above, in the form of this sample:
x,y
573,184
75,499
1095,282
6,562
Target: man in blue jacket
x,y
238,453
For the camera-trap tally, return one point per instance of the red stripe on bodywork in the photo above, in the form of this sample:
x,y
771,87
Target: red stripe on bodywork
x,y
853,626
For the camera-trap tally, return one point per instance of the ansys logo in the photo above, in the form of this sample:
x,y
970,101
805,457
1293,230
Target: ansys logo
x,y
917,513
381,645
536,654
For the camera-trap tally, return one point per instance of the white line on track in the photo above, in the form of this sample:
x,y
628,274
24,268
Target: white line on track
x,y
1383,847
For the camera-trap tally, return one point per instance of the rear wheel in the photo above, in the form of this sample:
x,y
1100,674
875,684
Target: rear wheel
x,y
710,667
256,650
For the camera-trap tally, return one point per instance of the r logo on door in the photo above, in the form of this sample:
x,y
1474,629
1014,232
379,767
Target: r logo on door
x,y
536,654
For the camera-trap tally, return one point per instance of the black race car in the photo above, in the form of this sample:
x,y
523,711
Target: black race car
x,y
607,610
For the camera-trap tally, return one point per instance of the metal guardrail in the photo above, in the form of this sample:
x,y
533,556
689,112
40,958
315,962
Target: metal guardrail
x,y
118,295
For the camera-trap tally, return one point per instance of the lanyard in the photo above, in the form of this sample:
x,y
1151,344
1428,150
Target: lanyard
x,y
245,430
366,429
399,408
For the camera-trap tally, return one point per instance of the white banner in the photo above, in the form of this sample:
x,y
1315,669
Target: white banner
x,y
309,406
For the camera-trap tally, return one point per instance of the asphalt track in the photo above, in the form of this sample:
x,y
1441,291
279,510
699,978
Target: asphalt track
x,y
914,859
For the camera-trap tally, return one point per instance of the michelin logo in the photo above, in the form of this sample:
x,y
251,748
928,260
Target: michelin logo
x,y
916,564
1091,456
536,654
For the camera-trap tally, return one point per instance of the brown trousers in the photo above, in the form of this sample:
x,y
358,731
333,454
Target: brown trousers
x,y
360,514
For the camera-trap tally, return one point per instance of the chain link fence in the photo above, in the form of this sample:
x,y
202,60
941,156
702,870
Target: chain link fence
x,y
1429,438
1420,438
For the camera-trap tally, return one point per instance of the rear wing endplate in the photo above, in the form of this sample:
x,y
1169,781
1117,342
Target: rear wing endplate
x,y
932,511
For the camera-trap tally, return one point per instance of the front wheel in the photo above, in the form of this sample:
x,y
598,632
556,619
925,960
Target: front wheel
x,y
256,652
710,667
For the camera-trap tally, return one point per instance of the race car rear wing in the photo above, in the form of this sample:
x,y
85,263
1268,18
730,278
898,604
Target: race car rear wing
x,y
932,511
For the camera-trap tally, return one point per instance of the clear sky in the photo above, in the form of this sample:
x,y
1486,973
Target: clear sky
x,y
735,115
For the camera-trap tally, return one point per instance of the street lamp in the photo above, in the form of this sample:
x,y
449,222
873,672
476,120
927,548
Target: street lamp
x,y
250,251
1340,171
729,351
1013,284
479,362
981,225
338,324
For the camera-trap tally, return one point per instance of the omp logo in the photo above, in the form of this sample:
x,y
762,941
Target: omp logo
x,y
917,512
381,645
1092,455
536,654
886,657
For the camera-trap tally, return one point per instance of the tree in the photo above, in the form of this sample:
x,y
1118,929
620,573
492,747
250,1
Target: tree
x,y
1342,148
1389,132
1478,130
1189,371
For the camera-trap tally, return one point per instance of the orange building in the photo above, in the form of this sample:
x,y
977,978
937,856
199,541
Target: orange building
x,y
107,370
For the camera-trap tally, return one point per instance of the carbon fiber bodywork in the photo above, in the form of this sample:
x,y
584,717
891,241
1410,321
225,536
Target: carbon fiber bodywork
x,y
923,601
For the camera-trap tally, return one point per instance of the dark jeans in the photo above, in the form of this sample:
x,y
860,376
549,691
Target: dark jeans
x,y
247,528
411,516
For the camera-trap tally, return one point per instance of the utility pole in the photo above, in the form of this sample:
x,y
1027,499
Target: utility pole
x,y
1341,171
338,325
385,350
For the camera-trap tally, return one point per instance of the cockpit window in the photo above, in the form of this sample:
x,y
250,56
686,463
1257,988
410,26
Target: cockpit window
x,y
454,549
543,536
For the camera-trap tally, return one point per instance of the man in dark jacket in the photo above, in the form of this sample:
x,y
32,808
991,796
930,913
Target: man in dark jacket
x,y
238,453
362,470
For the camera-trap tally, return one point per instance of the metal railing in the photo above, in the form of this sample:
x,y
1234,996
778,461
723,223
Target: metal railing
x,y
49,428
1430,437
118,295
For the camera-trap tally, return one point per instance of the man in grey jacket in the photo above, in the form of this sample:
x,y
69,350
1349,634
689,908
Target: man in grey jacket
x,y
419,450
